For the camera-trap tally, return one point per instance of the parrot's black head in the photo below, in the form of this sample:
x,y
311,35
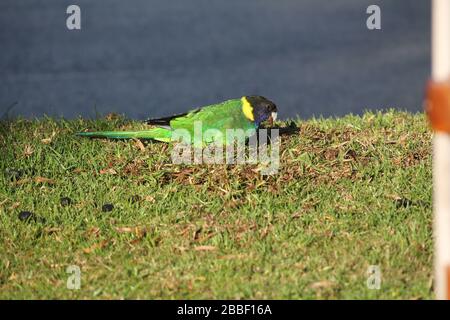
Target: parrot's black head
x,y
259,109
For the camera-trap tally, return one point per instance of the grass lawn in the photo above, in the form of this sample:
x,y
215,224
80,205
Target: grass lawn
x,y
350,192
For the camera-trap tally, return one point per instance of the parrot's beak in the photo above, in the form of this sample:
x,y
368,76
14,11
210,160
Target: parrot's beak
x,y
272,118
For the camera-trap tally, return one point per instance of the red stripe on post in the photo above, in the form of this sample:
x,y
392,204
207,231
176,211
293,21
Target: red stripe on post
x,y
437,105
448,282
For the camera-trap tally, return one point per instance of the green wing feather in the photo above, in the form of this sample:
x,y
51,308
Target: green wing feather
x,y
220,117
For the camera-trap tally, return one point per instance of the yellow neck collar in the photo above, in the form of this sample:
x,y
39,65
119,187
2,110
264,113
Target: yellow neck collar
x,y
247,109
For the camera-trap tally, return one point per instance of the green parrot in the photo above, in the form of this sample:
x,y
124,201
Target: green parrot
x,y
246,113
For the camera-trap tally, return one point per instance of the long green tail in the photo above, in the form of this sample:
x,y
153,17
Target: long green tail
x,y
160,134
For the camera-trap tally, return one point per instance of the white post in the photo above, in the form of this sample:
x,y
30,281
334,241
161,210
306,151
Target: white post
x,y
441,150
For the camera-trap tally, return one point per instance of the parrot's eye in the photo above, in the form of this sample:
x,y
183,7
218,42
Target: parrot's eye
x,y
270,108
